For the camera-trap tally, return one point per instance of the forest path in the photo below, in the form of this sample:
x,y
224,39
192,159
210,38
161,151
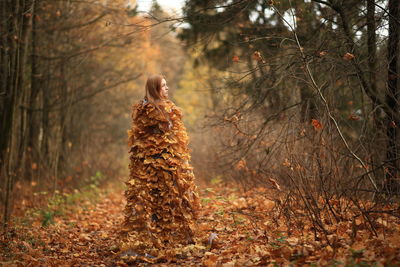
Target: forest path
x,y
83,236
86,234
235,228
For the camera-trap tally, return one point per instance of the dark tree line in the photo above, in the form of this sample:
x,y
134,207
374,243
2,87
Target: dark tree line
x,y
351,49
66,78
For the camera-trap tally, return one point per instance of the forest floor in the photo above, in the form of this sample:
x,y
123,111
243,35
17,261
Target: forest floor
x,y
236,229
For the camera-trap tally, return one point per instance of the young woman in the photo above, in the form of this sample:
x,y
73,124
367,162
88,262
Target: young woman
x,y
162,201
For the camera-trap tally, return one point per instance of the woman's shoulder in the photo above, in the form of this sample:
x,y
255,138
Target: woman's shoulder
x,y
142,108
149,107
166,105
174,109
143,104
150,110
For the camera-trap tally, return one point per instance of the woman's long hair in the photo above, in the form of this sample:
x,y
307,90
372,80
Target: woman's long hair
x,y
153,93
153,88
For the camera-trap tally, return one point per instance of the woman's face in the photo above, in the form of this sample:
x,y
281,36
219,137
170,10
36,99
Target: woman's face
x,y
164,89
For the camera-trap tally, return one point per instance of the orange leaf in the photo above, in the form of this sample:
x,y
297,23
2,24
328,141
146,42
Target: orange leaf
x,y
235,59
34,166
348,56
210,259
317,125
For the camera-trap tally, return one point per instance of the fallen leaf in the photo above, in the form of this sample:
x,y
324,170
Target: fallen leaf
x,y
317,125
348,56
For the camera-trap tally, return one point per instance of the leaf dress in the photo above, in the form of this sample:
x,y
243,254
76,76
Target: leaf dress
x,y
162,201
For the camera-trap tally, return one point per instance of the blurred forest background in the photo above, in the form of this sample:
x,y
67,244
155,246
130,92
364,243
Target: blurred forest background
x,y
300,96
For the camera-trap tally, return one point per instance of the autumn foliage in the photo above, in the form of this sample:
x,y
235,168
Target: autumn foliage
x,y
162,201
234,228
292,112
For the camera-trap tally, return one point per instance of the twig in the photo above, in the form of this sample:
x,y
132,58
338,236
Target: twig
x,y
325,102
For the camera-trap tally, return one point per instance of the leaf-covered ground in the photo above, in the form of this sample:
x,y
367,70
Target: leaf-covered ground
x,y
236,229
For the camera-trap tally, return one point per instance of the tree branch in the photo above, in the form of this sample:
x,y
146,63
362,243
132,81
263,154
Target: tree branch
x,y
325,102
80,25
77,100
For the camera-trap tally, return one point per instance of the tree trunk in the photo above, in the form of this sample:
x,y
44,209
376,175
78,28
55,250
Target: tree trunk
x,y
7,144
7,92
392,98
33,125
23,88
371,28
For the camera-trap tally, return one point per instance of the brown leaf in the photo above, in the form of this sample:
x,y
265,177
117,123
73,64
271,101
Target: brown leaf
x,y
348,56
240,165
275,184
210,259
293,241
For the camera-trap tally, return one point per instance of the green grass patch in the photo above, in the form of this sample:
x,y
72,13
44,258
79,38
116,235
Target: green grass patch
x,y
62,203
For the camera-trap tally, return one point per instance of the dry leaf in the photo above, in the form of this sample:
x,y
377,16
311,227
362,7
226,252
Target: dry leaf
x,y
317,125
348,56
161,194
275,184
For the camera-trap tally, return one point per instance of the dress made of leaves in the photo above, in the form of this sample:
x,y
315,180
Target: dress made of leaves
x,y
162,202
